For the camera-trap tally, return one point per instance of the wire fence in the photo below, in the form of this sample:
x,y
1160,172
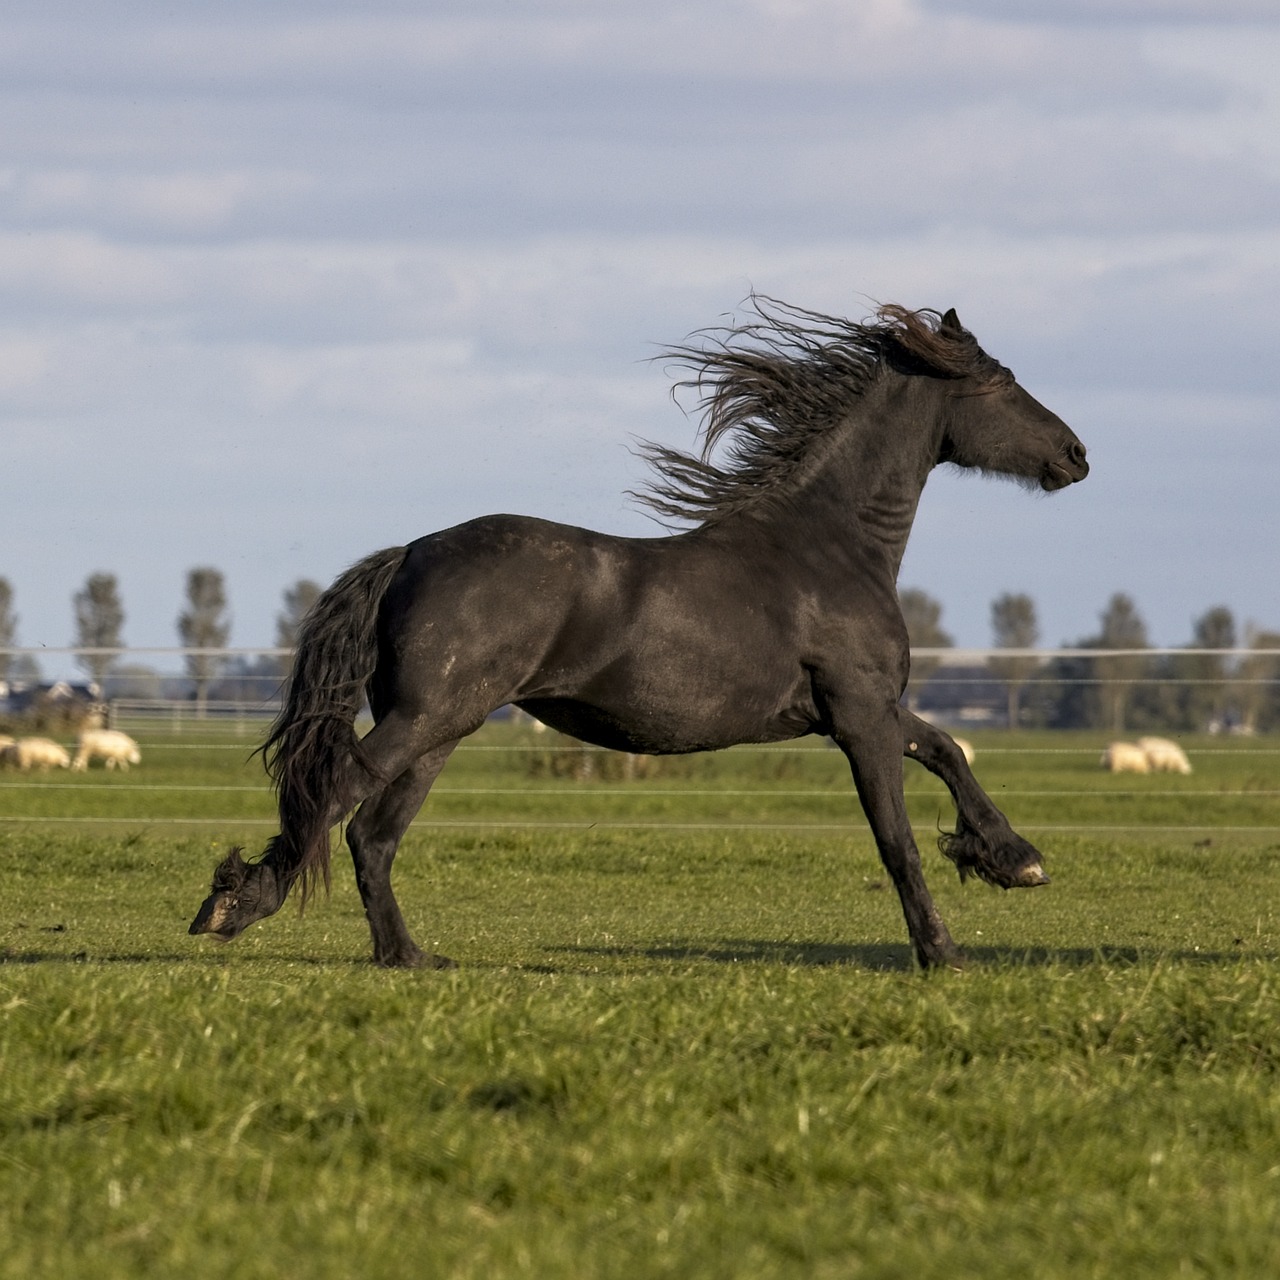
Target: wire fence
x,y
517,779
1184,689
1224,705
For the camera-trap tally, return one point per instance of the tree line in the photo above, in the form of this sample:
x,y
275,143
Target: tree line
x,y
202,625
1116,692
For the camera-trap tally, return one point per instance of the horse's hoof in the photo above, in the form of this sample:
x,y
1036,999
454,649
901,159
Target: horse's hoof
x,y
1030,877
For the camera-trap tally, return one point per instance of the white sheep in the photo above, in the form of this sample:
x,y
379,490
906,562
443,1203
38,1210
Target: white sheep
x,y
966,749
1164,756
36,753
116,749
1125,757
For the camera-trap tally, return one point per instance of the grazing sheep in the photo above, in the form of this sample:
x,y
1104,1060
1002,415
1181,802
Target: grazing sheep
x,y
1125,757
115,748
36,753
1164,756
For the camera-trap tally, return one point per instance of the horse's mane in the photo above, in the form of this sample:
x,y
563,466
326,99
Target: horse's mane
x,y
772,386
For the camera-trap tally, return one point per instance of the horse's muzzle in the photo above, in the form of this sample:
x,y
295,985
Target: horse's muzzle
x,y
1070,467
215,918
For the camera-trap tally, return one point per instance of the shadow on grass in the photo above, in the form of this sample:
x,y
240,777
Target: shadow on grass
x,y
874,957
898,956
209,959
815,955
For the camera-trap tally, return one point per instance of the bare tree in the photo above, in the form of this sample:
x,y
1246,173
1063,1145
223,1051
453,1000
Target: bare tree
x,y
923,616
8,626
1014,626
298,600
99,617
204,625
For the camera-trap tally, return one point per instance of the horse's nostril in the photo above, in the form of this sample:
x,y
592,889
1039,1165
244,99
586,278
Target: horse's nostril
x,y
1076,453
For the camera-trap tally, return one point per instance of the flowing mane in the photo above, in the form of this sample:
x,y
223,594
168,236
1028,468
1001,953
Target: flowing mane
x,y
772,386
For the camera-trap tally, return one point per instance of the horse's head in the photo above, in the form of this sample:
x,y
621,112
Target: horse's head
x,y
993,425
242,892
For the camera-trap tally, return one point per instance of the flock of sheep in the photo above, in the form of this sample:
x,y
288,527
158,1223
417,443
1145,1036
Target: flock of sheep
x,y
1147,755
117,751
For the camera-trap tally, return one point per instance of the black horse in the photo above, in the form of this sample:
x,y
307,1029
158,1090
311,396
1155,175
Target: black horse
x,y
774,616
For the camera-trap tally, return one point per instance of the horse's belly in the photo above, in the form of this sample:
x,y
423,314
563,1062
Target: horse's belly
x,y
668,728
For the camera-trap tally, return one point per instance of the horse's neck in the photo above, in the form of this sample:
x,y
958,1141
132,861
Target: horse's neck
x,y
864,483
887,517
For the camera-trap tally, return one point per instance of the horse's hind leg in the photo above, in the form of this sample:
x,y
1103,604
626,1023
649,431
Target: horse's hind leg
x,y
374,835
983,843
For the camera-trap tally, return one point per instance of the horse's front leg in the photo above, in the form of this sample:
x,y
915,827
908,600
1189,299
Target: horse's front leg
x,y
873,745
983,843
373,836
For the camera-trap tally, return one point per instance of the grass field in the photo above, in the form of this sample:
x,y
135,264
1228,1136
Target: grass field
x,y
686,1039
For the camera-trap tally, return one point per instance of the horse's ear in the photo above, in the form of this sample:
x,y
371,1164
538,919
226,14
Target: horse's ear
x,y
951,322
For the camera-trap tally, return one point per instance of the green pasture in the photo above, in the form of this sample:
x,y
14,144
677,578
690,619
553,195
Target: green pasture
x,y
685,1038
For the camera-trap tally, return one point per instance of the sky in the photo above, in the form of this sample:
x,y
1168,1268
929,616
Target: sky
x,y
284,283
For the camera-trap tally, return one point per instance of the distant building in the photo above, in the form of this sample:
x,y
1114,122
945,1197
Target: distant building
x,y
963,695
18,697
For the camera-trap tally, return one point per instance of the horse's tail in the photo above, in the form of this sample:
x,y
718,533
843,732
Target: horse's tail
x,y
313,742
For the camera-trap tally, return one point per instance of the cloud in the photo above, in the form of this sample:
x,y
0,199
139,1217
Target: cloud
x,y
284,282
1106,12
186,203
115,323
800,120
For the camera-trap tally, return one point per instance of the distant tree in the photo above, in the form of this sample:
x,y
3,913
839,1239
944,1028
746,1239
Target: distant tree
x,y
1122,628
1259,689
133,680
1122,624
1203,677
245,679
1014,626
24,669
923,616
298,600
99,617
1215,629
204,625
8,626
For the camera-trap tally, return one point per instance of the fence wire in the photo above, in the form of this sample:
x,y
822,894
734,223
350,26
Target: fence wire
x,y
229,727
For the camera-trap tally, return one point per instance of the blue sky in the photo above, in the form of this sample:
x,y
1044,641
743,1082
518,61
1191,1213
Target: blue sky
x,y
284,283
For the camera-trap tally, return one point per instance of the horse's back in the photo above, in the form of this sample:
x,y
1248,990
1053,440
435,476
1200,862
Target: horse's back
x,y
488,599
520,563
652,644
